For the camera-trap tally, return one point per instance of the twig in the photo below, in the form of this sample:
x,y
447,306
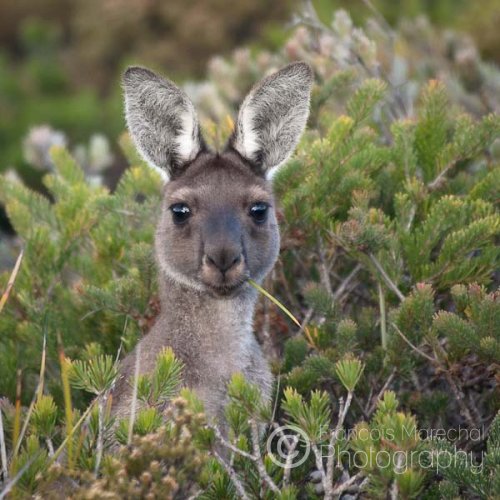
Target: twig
x,y
50,446
290,449
370,410
323,267
229,445
305,321
437,182
347,484
383,323
459,396
15,479
276,395
3,452
394,491
232,474
100,434
38,394
134,394
331,451
11,281
254,430
346,282
319,465
414,347
386,277
289,458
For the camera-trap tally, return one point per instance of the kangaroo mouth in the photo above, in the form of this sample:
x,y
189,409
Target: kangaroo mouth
x,y
224,290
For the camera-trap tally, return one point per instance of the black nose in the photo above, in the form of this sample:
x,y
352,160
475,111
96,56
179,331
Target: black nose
x,y
223,259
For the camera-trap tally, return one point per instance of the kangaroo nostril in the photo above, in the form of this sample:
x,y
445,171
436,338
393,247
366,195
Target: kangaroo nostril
x,y
223,260
211,261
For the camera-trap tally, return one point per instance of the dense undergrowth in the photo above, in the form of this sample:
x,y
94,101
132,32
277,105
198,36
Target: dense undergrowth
x,y
389,260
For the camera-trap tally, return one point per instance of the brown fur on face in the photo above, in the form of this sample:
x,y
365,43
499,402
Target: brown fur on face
x,y
219,190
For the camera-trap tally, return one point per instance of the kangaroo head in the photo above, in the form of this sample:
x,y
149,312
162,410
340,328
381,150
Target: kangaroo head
x,y
217,225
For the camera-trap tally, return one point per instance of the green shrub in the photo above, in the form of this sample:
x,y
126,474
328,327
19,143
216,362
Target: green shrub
x,y
390,257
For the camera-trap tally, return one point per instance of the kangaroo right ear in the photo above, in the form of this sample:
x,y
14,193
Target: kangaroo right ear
x,y
273,117
161,120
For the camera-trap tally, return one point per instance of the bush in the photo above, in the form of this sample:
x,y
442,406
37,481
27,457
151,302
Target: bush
x,y
389,256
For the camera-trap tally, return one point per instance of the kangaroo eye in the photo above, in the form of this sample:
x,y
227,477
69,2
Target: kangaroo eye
x,y
180,213
258,212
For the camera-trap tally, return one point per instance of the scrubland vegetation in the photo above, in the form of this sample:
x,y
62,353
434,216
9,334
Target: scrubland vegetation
x,y
389,264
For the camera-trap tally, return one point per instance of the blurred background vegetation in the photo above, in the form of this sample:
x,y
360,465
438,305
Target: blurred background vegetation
x,y
60,60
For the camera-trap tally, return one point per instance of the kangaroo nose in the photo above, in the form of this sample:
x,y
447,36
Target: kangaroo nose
x,y
223,259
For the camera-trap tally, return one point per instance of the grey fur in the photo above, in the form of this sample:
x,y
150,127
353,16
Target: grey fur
x,y
161,120
206,304
273,117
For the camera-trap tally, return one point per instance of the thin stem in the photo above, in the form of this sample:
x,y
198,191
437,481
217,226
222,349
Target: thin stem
x,y
38,394
254,430
383,323
17,415
229,445
370,410
459,396
438,181
70,434
11,281
289,459
319,465
67,403
331,451
414,347
134,395
19,474
100,434
386,277
50,446
233,476
347,484
323,267
275,301
346,282
3,452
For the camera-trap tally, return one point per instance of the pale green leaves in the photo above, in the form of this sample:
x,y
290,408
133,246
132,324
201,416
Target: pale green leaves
x,y
349,372
95,375
312,417
164,382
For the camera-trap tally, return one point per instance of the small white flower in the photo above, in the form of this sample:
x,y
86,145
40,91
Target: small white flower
x,y
37,144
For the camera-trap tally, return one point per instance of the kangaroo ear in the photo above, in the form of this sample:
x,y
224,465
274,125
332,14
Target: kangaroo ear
x,y
273,117
161,120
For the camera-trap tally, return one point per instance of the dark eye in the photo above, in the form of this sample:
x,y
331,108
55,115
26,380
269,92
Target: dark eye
x,y
180,213
258,212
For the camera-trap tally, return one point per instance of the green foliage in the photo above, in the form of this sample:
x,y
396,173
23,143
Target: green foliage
x,y
389,257
390,446
349,371
95,375
460,471
165,463
313,417
44,418
163,383
78,269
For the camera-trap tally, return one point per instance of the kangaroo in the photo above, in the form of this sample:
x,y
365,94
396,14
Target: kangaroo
x,y
216,229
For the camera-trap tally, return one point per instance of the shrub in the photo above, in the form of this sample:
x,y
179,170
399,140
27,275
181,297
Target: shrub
x,y
389,258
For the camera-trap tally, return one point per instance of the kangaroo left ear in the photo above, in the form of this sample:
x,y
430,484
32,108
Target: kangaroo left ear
x,y
162,121
273,117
